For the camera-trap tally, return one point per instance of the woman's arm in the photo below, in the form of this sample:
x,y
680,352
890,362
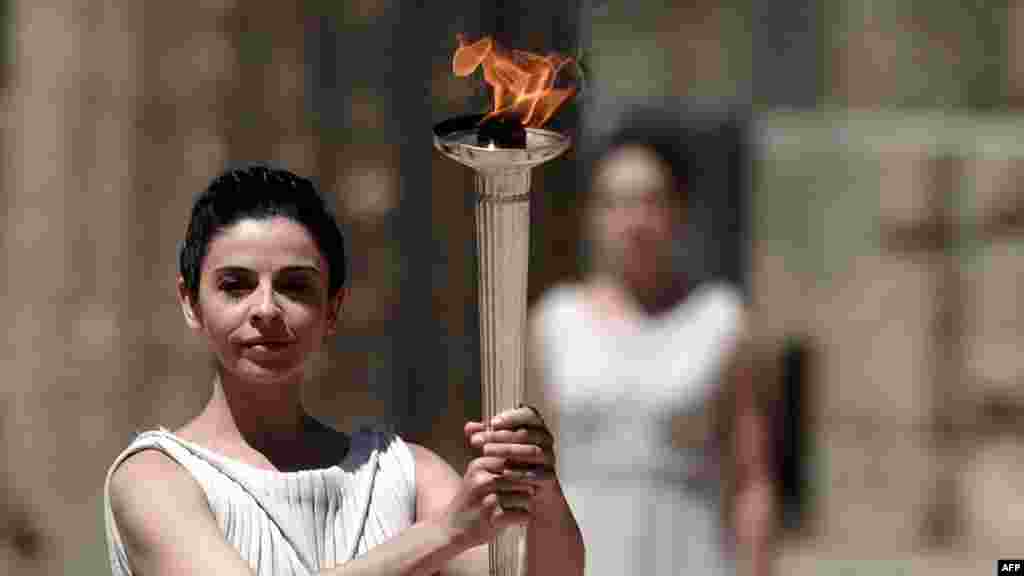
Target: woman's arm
x,y
554,544
177,534
754,501
165,524
437,485
422,549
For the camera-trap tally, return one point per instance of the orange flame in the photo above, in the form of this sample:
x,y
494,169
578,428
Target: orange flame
x,y
523,83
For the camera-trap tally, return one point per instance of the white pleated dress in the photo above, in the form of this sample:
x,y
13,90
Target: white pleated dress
x,y
644,505
293,523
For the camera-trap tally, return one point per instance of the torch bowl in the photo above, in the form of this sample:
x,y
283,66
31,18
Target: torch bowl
x,y
456,138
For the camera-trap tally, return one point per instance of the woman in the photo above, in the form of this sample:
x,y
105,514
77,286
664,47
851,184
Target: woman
x,y
254,484
642,375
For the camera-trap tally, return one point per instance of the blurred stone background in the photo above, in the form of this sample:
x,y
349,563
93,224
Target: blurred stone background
x,y
883,244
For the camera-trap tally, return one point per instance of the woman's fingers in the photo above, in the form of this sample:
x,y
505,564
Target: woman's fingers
x,y
504,518
536,436
522,417
519,453
486,477
532,475
520,438
487,463
508,510
514,501
506,500
503,485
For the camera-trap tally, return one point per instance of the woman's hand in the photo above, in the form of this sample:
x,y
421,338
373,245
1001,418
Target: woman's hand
x,y
521,438
487,503
554,543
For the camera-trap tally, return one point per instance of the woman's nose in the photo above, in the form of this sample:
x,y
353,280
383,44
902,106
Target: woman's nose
x,y
265,309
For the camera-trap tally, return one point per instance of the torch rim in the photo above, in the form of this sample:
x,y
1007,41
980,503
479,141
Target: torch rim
x,y
454,138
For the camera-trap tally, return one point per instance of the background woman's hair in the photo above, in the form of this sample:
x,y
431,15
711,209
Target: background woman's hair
x,y
661,129
260,191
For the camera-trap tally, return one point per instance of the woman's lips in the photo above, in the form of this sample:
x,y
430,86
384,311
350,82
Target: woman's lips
x,y
267,345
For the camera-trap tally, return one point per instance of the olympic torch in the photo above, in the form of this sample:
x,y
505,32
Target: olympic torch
x,y
503,147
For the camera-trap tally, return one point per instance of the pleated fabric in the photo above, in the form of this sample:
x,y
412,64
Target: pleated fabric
x,y
292,523
647,503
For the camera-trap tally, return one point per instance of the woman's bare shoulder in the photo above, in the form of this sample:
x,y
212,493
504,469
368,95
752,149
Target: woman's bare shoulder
x,y
560,293
145,473
554,302
148,493
164,520
437,482
431,468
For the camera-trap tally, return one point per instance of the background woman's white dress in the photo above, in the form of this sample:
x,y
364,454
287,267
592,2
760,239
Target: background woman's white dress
x,y
644,505
293,523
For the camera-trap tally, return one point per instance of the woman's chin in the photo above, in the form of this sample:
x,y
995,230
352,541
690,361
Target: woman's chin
x,y
268,372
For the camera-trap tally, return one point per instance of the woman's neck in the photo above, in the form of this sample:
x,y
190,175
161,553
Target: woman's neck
x,y
267,418
663,297
650,299
264,429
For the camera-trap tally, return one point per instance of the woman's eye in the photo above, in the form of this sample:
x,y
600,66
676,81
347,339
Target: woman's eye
x,y
295,288
232,287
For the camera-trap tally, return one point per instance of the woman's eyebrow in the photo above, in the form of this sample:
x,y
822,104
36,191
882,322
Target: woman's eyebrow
x,y
310,269
233,270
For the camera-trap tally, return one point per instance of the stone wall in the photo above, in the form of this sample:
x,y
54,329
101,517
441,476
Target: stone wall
x,y
913,306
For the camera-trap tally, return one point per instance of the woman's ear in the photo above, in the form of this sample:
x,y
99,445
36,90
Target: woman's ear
x,y
334,306
188,308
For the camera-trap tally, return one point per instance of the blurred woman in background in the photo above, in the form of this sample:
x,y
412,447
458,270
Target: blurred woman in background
x,y
646,379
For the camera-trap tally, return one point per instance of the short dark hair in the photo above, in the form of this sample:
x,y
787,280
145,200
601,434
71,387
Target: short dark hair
x,y
659,129
259,191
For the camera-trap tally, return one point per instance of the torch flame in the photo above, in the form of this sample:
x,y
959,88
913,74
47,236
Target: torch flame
x,y
523,83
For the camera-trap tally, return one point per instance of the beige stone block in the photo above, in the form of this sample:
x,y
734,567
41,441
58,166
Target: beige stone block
x,y
993,498
820,560
863,73
875,331
912,186
995,321
997,192
1015,54
877,488
783,297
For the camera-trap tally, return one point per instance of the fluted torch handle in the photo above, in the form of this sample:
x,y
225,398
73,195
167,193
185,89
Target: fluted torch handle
x,y
503,241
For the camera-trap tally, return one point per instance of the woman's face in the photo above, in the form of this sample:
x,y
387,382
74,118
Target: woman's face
x,y
634,213
263,304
